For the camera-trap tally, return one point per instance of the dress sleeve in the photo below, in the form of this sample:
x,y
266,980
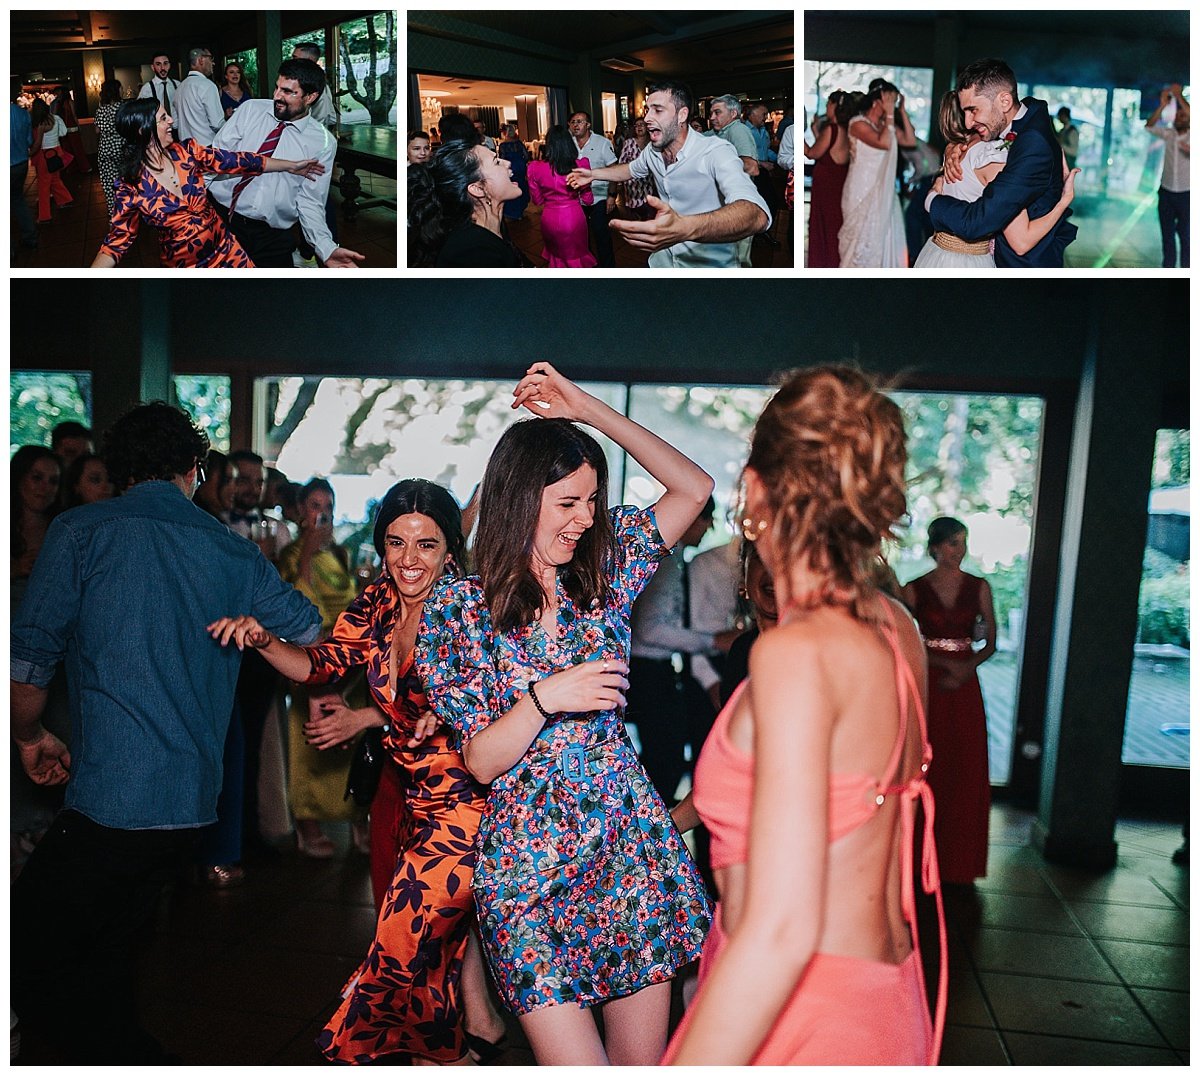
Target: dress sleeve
x,y
534,176
350,642
640,550
226,162
455,658
126,219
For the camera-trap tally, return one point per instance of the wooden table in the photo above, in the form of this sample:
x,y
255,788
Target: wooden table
x,y
369,149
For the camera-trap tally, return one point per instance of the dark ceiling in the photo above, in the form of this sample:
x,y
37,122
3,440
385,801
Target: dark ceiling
x,y
1174,25
689,45
51,31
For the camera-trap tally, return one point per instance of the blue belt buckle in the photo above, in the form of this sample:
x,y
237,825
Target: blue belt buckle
x,y
573,763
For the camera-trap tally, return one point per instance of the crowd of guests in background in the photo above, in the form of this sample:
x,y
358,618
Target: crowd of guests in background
x,y
227,180
468,734
466,188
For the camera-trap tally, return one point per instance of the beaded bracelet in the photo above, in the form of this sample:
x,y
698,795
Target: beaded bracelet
x,y
537,702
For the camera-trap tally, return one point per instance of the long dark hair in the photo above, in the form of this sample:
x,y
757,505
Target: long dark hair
x,y
39,113
438,199
137,123
68,492
110,92
18,467
561,150
420,496
530,456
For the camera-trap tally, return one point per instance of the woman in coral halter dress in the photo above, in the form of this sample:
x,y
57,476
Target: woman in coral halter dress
x,y
810,780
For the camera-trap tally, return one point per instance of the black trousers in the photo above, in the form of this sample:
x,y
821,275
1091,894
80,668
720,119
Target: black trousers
x,y
1174,220
256,686
655,703
80,908
269,248
597,218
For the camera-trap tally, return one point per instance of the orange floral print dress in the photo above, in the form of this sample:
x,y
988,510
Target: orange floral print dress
x,y
405,998
191,235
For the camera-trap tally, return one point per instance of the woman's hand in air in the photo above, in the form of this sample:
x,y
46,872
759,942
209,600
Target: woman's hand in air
x,y
548,394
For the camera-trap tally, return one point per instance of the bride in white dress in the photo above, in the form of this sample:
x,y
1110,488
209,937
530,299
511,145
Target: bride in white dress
x,y
872,234
981,163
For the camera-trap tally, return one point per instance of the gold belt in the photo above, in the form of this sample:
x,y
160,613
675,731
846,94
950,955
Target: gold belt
x,y
952,243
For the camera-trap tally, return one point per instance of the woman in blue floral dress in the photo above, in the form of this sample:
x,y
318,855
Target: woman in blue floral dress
x,y
585,892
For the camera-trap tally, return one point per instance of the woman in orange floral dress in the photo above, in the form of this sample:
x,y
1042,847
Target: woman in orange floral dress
x,y
420,973
162,181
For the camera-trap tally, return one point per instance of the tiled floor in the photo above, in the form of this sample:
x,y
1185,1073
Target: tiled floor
x,y
73,236
1114,233
1047,965
526,233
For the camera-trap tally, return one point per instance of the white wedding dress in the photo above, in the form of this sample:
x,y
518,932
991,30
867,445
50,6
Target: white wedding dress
x,y
872,235
967,189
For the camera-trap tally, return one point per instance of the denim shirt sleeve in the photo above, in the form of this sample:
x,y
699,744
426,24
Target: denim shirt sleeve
x,y
50,611
281,608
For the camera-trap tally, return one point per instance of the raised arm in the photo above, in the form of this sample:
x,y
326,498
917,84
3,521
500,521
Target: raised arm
x,y
821,144
284,657
548,394
614,173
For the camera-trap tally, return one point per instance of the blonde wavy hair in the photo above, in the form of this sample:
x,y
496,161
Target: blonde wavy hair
x,y
829,450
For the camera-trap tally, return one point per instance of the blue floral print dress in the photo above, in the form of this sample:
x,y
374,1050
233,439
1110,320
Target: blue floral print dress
x,y
584,889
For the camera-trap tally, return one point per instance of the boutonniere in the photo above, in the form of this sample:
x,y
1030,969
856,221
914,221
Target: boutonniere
x,y
1009,139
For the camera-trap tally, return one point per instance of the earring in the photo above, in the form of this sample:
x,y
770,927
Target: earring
x,y
752,531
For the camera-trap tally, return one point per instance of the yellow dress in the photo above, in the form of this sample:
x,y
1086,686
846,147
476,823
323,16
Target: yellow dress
x,y
317,779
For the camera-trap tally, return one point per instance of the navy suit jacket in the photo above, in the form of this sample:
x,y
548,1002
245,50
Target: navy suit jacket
x,y
1031,179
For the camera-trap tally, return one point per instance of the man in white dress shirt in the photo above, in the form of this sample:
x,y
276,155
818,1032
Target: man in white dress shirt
x,y
198,113
706,202
161,87
600,154
261,212
323,111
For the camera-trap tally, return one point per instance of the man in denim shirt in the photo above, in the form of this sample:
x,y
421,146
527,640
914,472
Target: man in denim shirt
x,y
123,590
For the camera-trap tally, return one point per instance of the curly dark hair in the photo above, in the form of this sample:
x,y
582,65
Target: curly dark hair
x,y
438,198
152,441
530,456
829,449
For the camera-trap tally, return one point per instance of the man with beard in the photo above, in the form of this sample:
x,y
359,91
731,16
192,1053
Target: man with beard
x,y
261,210
706,201
1032,177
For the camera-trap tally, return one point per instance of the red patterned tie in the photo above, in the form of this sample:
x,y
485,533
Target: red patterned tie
x,y
267,149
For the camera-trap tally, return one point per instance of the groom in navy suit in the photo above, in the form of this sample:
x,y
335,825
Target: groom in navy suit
x,y
1032,177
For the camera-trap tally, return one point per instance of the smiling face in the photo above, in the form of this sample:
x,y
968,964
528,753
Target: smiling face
x,y
414,554
418,151
163,124
568,510
93,483
291,102
248,485
988,116
39,487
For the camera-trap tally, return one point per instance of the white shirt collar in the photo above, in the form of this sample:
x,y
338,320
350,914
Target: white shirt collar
x,y
1020,115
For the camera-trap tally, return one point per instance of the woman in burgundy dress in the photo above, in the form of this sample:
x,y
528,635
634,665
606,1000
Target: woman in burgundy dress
x,y
953,609
831,152
564,227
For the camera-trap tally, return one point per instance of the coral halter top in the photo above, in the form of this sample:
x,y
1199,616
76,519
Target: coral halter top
x,y
724,784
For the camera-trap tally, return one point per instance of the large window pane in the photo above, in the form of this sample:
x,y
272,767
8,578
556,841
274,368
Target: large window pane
x,y
975,458
710,425
821,77
206,398
364,434
1158,719
39,400
366,70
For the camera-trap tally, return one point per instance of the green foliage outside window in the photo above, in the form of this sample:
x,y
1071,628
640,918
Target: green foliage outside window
x,y
39,401
206,398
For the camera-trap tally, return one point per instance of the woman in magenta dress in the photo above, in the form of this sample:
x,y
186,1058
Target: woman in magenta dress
x,y
564,227
162,181
831,152
950,607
